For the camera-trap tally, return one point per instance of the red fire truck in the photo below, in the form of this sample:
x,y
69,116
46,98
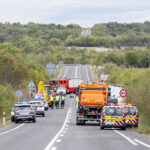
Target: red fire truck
x,y
70,84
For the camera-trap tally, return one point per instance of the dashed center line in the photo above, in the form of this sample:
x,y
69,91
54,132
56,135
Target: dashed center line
x,y
51,143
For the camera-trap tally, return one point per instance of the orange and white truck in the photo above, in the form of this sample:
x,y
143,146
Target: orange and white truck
x,y
92,98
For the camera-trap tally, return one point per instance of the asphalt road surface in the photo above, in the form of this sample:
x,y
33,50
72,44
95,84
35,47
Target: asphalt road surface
x,y
58,130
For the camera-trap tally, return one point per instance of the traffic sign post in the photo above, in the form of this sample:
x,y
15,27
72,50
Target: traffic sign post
x,y
123,93
18,94
31,87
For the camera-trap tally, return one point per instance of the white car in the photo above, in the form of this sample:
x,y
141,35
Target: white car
x,y
45,104
61,90
39,108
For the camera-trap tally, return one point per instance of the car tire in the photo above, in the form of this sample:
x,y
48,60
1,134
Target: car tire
x,y
16,121
123,128
12,119
34,120
43,114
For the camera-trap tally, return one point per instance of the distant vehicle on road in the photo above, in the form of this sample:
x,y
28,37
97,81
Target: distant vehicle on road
x,y
24,112
113,116
61,90
38,107
131,113
70,84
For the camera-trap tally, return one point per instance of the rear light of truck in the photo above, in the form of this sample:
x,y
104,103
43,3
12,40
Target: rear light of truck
x,y
79,114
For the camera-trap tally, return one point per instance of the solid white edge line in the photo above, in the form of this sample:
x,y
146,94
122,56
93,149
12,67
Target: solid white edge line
x,y
12,129
140,142
65,72
58,134
127,138
87,74
92,73
54,148
76,72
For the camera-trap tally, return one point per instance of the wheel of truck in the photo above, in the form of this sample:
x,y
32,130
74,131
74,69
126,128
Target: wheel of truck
x,y
83,122
34,120
77,121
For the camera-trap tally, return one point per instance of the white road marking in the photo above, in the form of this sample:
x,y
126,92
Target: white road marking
x,y
54,148
61,135
65,72
87,73
144,144
76,72
127,138
48,147
60,73
12,129
58,141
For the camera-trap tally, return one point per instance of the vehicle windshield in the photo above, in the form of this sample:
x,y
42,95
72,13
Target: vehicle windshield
x,y
54,82
114,112
61,88
24,107
130,111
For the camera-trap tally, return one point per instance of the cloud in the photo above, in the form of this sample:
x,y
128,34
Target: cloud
x,y
83,12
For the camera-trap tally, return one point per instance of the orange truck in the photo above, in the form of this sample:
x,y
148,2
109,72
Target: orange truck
x,y
92,98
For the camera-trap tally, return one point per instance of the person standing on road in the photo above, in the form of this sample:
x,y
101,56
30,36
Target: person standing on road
x,y
57,101
77,102
62,101
52,101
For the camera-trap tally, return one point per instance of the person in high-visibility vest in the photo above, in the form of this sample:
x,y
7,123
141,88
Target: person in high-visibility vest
x,y
52,101
77,102
57,101
62,101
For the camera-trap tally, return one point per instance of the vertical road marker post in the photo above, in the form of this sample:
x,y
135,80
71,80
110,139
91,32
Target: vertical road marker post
x,y
4,120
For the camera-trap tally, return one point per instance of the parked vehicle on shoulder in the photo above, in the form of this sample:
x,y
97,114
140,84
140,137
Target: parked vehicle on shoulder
x,y
131,113
113,116
38,107
24,112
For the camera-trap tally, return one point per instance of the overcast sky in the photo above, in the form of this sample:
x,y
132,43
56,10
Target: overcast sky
x,y
83,12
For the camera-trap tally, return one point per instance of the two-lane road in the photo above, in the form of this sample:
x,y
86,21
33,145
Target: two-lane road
x,y
58,130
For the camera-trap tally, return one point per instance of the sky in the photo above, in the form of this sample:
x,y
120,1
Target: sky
x,y
83,12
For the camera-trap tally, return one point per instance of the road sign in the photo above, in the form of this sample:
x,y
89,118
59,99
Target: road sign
x,y
104,77
123,93
50,68
18,93
31,85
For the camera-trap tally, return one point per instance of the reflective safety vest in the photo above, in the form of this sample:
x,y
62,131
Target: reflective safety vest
x,y
63,98
77,102
57,98
52,99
